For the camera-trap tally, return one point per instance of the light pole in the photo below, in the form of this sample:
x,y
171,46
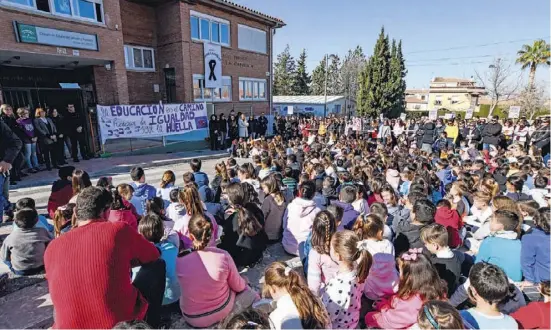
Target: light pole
x,y
325,88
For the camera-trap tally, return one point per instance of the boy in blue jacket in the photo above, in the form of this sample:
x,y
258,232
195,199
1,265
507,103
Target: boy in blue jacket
x,y
503,248
142,191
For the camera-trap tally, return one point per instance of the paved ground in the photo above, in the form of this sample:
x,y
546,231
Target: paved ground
x,y
30,294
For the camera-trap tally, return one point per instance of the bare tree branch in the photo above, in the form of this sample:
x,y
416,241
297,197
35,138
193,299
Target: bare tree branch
x,y
499,82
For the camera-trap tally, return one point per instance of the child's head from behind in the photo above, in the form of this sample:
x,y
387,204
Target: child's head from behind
x,y
379,209
26,218
369,227
481,200
151,227
322,230
542,219
444,203
337,212
435,237
346,250
25,203
62,215
66,172
280,279
307,190
173,195
489,284
348,194
200,231
248,319
126,191
137,174
504,220
195,165
156,206
423,211
419,277
437,314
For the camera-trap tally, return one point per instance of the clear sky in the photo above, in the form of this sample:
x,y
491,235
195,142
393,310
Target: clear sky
x,y
426,27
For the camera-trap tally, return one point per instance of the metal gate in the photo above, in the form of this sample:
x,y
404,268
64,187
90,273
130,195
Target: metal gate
x,y
17,98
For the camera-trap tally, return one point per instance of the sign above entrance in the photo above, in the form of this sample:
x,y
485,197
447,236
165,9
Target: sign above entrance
x,y
213,65
32,34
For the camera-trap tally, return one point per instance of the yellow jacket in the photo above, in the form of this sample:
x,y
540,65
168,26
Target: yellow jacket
x,y
452,132
322,129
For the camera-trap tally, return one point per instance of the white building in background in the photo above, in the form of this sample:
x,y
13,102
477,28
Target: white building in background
x,y
417,99
314,105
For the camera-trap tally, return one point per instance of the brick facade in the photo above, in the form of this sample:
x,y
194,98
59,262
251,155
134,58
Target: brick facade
x,y
163,26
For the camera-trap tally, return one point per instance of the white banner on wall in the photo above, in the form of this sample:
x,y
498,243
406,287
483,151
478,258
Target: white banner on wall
x,y
150,120
213,65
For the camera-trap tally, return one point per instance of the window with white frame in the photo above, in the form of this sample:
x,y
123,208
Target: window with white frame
x,y
209,28
200,93
139,58
251,89
89,10
251,39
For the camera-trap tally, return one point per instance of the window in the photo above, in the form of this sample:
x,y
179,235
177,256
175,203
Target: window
x,y
251,89
417,107
200,93
438,100
251,39
139,58
209,28
455,99
89,10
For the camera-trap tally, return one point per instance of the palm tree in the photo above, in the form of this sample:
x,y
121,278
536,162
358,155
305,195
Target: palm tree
x,y
532,56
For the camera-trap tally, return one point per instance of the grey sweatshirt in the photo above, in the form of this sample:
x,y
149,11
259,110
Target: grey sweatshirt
x,y
25,248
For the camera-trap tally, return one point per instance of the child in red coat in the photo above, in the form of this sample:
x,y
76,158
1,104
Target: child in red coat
x,y
535,315
62,190
449,218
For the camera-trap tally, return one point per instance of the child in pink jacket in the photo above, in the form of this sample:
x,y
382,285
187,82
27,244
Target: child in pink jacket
x,y
419,282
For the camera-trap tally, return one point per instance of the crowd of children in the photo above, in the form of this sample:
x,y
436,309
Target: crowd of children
x,y
389,237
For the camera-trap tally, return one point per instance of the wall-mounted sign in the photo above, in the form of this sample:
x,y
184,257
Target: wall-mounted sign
x,y
32,34
213,65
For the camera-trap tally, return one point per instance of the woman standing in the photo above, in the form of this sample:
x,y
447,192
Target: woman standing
x,y
213,132
223,130
253,127
385,134
26,124
47,137
243,126
233,128
59,146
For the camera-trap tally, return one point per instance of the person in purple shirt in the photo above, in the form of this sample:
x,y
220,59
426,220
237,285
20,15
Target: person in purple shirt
x,y
26,124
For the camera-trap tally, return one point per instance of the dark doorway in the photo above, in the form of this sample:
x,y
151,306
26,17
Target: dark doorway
x,y
170,83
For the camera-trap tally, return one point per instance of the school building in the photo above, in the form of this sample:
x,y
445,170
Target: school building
x,y
88,52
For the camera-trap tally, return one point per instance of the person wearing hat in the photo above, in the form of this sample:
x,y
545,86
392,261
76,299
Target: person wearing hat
x,y
540,138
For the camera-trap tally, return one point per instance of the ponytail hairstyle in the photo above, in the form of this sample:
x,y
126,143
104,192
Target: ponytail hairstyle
x,y
221,170
311,311
189,197
200,228
369,226
246,221
251,196
322,230
271,186
80,180
419,277
437,314
350,250
63,217
156,206
168,178
125,190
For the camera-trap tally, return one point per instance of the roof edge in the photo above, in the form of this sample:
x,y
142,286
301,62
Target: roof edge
x,y
276,22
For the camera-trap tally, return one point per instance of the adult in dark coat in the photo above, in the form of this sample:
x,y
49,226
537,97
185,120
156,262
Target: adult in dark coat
x,y
75,129
223,127
61,128
8,117
233,129
471,134
253,127
540,139
47,137
429,136
10,147
491,133
262,124
213,132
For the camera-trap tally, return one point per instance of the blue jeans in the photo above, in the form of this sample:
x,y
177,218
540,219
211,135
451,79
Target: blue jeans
x,y
4,203
27,272
485,146
30,155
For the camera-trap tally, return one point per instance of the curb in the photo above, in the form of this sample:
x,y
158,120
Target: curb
x,y
124,169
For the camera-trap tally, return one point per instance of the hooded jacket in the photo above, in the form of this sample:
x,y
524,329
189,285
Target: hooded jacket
x,y
429,133
408,236
142,193
382,278
297,223
127,215
491,133
445,176
201,179
450,219
349,215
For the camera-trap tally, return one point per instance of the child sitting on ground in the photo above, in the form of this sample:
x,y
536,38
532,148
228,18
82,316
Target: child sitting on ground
x,y
122,210
383,277
419,283
488,287
155,206
64,219
437,314
320,266
447,262
502,248
289,180
23,249
29,203
408,233
142,191
535,315
451,220
62,190
380,210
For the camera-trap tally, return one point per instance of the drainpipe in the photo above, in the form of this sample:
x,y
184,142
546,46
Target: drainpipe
x,y
272,31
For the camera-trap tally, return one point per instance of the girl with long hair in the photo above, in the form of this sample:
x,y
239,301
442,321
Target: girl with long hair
x,y
320,267
80,180
297,306
244,236
343,294
221,175
419,283
166,185
123,211
211,287
273,207
64,219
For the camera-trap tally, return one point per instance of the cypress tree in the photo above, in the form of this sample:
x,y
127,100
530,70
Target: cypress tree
x,y
302,78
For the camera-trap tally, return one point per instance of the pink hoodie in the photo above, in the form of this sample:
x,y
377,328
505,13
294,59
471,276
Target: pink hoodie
x,y
297,223
383,277
395,313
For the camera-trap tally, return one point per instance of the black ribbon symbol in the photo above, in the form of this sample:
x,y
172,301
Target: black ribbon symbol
x,y
212,65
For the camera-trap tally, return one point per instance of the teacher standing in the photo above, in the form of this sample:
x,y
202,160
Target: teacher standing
x,y
243,124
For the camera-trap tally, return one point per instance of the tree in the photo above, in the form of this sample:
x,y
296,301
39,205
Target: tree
x,y
334,82
351,68
302,78
397,83
496,80
284,73
532,100
362,95
532,56
318,79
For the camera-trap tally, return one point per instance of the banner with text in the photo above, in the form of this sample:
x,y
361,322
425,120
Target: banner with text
x,y
150,120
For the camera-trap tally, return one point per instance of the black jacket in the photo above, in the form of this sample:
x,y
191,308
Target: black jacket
x,y
475,133
72,121
223,125
429,133
262,124
10,144
11,122
540,138
213,126
491,133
